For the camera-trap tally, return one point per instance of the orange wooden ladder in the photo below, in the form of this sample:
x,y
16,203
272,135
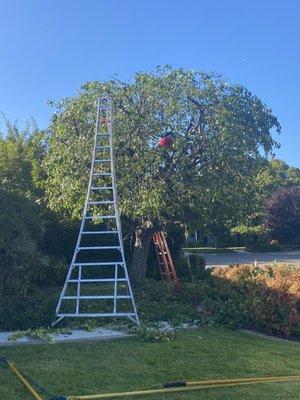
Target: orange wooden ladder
x,y
164,259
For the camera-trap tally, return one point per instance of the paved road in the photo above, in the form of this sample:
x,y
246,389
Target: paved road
x,y
291,257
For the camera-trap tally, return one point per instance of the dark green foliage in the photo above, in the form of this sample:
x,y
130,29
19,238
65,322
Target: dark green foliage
x,y
157,301
175,239
60,236
21,261
250,235
24,312
191,268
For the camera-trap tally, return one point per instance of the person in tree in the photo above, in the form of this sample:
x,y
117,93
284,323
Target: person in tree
x,y
166,140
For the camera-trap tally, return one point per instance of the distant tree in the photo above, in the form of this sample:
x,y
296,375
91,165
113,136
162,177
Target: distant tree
x,y
222,134
21,154
276,175
282,216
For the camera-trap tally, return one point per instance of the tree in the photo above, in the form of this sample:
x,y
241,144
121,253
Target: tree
x,y
276,175
21,154
283,215
222,134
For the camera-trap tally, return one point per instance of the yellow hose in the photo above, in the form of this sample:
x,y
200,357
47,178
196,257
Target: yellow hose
x,y
200,385
186,386
24,381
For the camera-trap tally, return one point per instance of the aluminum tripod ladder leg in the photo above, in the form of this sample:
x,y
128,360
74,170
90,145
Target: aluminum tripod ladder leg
x,y
97,283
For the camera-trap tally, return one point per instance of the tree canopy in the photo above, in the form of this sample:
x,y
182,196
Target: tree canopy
x,y
222,134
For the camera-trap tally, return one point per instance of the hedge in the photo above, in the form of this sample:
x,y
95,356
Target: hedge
x,y
262,298
265,299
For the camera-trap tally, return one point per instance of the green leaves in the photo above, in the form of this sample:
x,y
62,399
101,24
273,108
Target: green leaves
x,y
221,135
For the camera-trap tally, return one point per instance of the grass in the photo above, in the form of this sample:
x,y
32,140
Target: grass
x,y
99,367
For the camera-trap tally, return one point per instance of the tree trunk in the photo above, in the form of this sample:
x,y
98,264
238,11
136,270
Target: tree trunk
x,y
143,237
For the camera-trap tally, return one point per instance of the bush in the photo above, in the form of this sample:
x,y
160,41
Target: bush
x,y
24,312
191,268
250,235
21,261
157,302
265,246
265,298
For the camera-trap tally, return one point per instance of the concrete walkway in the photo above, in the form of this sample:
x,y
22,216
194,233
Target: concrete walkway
x,y
72,336
214,260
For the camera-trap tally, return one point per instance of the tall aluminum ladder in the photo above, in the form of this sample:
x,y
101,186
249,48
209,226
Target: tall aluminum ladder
x,y
97,283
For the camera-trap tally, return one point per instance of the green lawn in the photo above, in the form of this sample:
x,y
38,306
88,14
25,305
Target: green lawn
x,y
95,367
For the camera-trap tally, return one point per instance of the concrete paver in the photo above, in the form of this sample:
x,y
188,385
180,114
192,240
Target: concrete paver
x,y
74,335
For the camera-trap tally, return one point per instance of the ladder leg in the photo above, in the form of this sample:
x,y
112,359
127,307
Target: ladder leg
x,y
78,289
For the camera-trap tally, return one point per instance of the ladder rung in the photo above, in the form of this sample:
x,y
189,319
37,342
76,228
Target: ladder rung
x,y
98,280
102,148
96,297
104,160
102,174
101,202
97,232
102,134
83,264
101,217
101,188
99,248
116,314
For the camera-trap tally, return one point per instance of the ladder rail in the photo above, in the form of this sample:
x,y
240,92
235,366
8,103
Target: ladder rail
x,y
164,259
169,257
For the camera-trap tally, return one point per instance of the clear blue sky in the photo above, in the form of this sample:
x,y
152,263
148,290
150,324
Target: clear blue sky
x,y
49,48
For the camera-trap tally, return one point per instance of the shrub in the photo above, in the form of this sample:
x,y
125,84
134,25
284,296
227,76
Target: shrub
x,y
21,261
157,302
191,268
265,298
30,311
265,246
250,235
